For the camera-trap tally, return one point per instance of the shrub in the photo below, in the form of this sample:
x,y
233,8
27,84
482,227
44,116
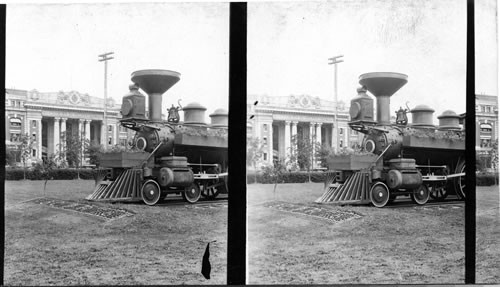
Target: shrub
x,y
486,179
288,177
53,174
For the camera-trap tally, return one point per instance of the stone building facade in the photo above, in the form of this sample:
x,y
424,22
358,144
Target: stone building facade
x,y
276,120
486,120
44,116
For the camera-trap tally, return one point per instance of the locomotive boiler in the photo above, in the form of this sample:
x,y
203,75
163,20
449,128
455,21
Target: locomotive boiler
x,y
167,156
397,158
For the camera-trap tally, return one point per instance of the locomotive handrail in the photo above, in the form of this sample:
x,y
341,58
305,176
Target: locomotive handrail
x,y
380,155
151,154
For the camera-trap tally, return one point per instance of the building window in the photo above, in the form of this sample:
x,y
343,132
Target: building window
x,y
34,152
15,123
110,128
478,108
33,124
265,127
341,131
341,143
264,140
123,142
265,156
34,136
110,140
14,137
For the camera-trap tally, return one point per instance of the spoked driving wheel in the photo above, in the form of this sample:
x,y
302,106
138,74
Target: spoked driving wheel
x,y
420,195
150,192
210,191
192,193
438,191
459,182
379,194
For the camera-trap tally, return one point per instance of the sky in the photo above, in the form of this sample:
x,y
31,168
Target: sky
x,y
290,43
55,47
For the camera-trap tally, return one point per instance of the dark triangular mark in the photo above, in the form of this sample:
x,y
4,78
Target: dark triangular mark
x,y
205,264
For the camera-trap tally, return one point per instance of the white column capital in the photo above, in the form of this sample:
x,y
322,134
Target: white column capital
x,y
287,123
319,124
294,123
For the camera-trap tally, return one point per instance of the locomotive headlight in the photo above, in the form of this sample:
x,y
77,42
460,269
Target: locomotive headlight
x,y
369,145
141,143
354,110
126,107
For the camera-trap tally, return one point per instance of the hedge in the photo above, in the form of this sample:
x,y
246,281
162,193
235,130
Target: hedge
x,y
35,174
486,179
289,177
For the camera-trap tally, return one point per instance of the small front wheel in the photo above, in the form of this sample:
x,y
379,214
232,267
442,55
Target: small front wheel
x,y
192,194
420,195
379,194
150,192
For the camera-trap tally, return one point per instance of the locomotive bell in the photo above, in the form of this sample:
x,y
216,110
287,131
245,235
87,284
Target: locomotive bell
x,y
361,107
383,85
133,104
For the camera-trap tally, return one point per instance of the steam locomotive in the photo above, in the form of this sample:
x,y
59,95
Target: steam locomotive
x,y
397,158
169,156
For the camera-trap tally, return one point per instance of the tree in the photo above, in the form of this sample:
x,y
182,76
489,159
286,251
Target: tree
x,y
275,172
26,148
301,153
493,153
323,152
93,150
255,151
73,150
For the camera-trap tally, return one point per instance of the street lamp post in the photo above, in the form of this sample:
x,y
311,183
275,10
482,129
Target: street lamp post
x,y
106,57
334,61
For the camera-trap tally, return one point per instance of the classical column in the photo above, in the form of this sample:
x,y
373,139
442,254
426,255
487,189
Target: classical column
x,y
270,142
335,138
312,138
57,136
87,130
39,138
7,127
115,134
63,143
294,131
318,132
287,138
104,134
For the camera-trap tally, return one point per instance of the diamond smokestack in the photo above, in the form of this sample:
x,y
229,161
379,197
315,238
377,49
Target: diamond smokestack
x,y
383,85
155,83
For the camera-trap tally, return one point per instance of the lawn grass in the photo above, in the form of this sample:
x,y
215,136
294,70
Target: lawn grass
x,y
488,235
406,245
161,244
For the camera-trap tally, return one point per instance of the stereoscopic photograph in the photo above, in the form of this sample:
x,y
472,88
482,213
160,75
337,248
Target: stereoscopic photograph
x,y
356,142
116,120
